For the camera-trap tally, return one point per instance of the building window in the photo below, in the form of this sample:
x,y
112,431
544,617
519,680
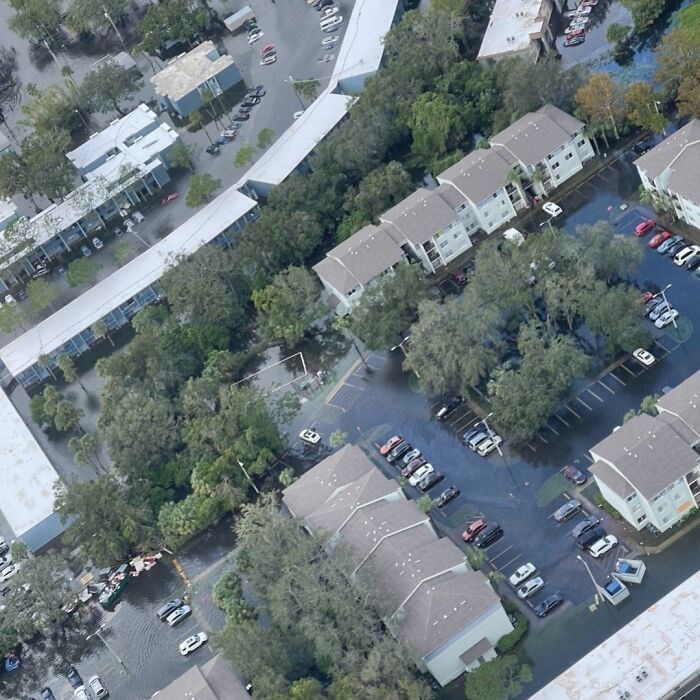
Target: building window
x,y
554,165
662,506
456,235
631,497
641,519
665,520
444,244
568,156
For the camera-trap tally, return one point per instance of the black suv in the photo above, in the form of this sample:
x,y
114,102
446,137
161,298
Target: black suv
x,y
398,452
589,538
169,607
585,525
488,536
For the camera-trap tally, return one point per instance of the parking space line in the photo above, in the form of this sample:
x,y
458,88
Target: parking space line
x,y
590,391
588,457
541,438
531,447
661,345
509,547
515,558
580,400
614,376
568,408
628,370
605,386
554,430
568,425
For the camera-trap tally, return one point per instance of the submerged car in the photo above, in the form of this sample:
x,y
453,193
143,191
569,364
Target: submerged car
x,y
449,494
573,474
547,605
568,510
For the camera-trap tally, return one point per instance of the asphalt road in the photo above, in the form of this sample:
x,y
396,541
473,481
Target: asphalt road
x,y
522,494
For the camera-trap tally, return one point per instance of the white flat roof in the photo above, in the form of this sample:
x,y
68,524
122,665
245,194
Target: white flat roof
x,y
299,139
203,226
112,136
363,43
663,641
511,24
28,478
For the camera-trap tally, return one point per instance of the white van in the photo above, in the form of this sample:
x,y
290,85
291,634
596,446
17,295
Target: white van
x,y
331,22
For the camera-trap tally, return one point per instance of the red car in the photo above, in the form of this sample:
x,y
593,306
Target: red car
x,y
575,32
644,228
473,529
588,3
390,444
413,466
658,238
647,296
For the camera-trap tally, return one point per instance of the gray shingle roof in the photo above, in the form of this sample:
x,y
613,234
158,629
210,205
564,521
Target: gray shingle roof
x,y
213,680
535,135
442,607
648,453
421,215
361,258
474,652
612,479
682,151
479,174
318,484
684,402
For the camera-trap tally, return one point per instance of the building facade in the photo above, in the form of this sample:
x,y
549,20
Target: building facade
x,y
669,172
445,613
192,78
649,468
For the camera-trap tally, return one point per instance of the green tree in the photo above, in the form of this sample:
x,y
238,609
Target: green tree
x,y
82,271
38,20
41,294
85,450
108,86
338,439
227,595
99,330
108,521
288,305
602,101
19,550
617,33
644,12
85,16
51,108
386,309
10,318
286,477
498,679
306,89
180,155
265,137
678,62
244,156
643,107
171,20
436,126
67,366
202,186
178,522
66,416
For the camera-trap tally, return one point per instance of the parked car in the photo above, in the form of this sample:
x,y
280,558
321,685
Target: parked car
x,y
192,643
663,248
169,607
572,474
459,277
659,309
473,529
420,474
521,574
449,494
603,545
245,109
254,36
568,510
398,452
658,238
390,444
676,247
547,605
267,60
47,694
586,540
585,525
178,615
310,437
474,430
85,251
572,41
257,91
329,12
96,685
644,356
477,439
239,117
682,256
644,228
412,466
489,445
666,317
571,32
693,263
530,587
4,589
430,481
251,101
551,208
4,547
488,535
652,304
448,407
328,41
74,677
97,243
81,693
8,572
410,456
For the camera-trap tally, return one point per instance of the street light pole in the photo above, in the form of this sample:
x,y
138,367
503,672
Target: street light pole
x,y
247,476
291,80
97,634
114,26
595,583
492,435
663,296
403,350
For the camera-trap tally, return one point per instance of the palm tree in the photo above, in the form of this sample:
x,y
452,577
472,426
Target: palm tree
x,y
514,177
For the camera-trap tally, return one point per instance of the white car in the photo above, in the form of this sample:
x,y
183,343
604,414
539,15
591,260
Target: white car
x,y
329,11
552,209
489,445
420,474
267,60
80,693
8,572
96,684
530,587
97,243
255,36
310,437
329,41
682,256
666,317
298,113
10,300
603,545
524,572
178,615
193,642
644,356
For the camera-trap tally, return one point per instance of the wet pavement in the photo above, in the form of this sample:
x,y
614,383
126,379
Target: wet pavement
x,y
521,491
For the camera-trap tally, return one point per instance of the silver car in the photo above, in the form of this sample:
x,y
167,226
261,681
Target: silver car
x,y
178,615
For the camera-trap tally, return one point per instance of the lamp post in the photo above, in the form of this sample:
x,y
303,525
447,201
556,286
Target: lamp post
x,y
401,345
663,296
82,118
656,107
97,634
247,476
595,583
114,26
492,435
291,80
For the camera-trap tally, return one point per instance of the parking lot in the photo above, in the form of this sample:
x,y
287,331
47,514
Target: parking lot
x,y
522,490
